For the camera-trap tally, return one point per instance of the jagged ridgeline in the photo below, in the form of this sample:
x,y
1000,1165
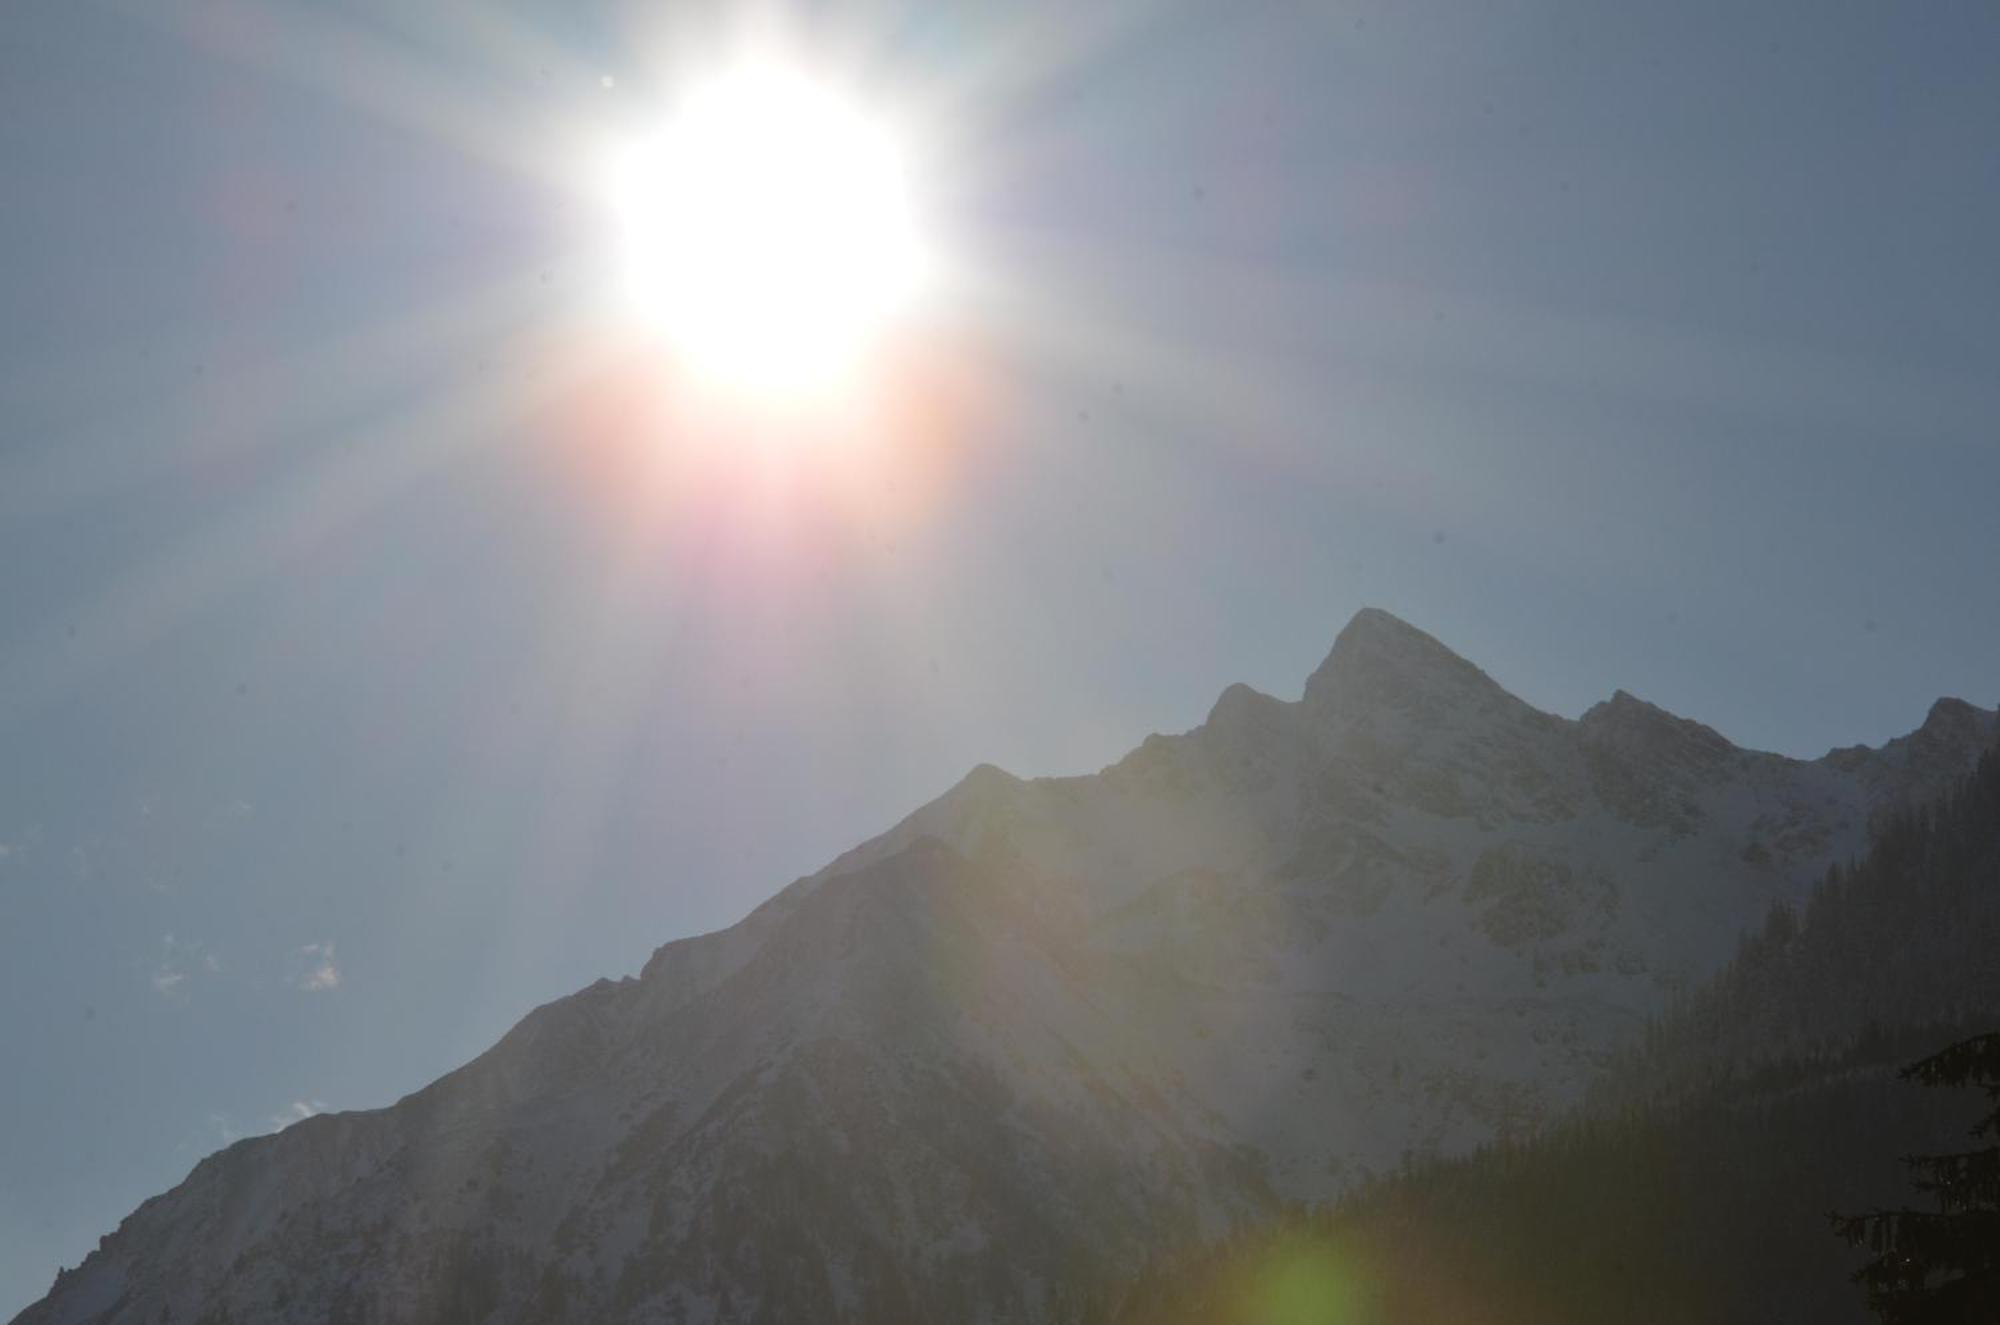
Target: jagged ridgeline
x,y
1046,1029
1698,1185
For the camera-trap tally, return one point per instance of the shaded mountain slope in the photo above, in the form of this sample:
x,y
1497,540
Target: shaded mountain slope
x,y
1698,1185
1715,1211
1909,935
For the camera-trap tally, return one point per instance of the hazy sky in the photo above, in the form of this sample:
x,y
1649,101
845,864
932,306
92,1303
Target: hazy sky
x,y
353,699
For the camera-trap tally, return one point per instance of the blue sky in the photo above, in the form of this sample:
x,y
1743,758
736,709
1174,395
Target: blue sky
x,y
341,722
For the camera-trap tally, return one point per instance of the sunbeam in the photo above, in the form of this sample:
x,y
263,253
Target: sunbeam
x,y
261,542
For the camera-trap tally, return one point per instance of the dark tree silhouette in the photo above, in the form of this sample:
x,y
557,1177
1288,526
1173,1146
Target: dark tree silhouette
x,y
1941,1267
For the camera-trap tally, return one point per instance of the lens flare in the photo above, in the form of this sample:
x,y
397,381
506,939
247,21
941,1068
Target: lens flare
x,y
1304,1284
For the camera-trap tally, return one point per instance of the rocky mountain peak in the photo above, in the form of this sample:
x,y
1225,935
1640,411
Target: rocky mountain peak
x,y
1953,732
1241,708
1381,660
1628,719
1953,717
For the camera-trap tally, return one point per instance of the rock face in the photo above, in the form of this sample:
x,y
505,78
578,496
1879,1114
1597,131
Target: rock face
x,y
1041,1026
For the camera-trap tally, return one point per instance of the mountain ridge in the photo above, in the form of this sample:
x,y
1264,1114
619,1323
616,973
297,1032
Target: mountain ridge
x,y
1040,1022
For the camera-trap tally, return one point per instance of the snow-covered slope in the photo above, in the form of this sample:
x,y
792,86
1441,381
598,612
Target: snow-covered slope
x,y
1042,1025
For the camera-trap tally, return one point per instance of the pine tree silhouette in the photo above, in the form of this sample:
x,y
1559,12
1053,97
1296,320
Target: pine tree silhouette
x,y
1941,1267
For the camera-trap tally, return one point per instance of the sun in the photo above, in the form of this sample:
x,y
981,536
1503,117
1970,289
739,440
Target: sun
x,y
768,231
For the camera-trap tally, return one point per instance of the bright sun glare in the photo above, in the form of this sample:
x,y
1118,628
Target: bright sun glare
x,y
769,231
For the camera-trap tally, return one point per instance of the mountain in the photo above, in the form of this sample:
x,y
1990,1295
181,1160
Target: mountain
x,y
1040,1028
1697,1184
